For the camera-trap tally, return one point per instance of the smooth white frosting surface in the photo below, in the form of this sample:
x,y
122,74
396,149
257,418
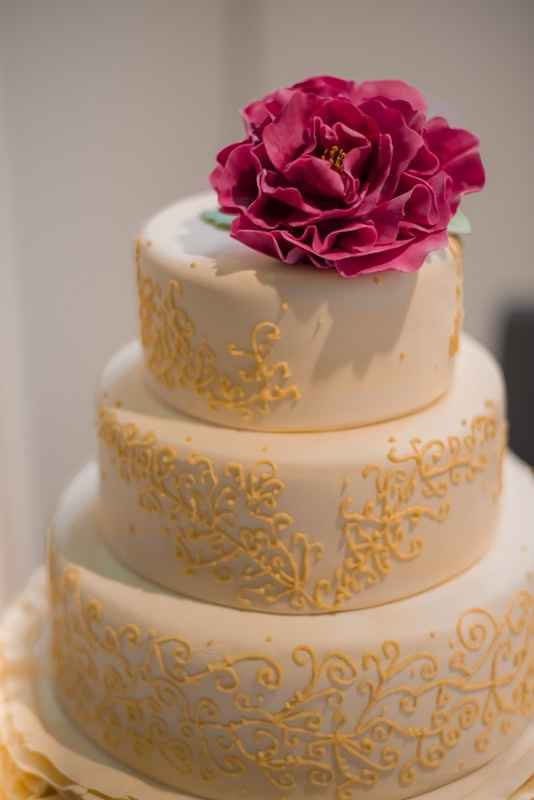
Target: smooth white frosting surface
x,y
301,523
390,701
237,338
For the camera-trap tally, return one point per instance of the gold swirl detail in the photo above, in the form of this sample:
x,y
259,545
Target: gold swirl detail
x,y
456,247
228,522
337,720
176,360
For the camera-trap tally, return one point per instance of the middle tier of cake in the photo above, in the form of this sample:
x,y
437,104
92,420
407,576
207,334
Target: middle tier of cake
x,y
301,523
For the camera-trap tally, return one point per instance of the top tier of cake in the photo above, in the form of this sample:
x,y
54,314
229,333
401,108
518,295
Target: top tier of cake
x,y
241,340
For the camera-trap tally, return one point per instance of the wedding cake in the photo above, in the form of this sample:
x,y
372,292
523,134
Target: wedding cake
x,y
303,564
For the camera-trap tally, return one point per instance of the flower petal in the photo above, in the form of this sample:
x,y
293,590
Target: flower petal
x,y
405,256
316,178
270,243
286,137
405,142
258,113
236,181
429,203
326,86
337,244
425,162
378,174
279,204
458,154
391,90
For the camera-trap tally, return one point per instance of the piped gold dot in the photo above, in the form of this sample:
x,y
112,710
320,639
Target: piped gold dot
x,y
188,439
402,356
284,306
377,279
268,639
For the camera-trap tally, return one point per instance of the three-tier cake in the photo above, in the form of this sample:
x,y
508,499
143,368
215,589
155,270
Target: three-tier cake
x,y
303,566
245,467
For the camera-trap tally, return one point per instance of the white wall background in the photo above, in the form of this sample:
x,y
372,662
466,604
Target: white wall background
x,y
113,108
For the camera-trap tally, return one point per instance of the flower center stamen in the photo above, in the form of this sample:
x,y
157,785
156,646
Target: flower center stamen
x,y
335,155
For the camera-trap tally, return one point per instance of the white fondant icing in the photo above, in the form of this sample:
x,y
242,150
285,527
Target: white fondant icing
x,y
358,351
432,479
389,701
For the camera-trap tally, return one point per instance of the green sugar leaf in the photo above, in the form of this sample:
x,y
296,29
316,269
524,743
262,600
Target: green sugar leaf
x,y
218,219
459,224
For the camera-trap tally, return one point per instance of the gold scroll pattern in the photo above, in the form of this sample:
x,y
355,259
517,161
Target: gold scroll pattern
x,y
415,487
228,521
177,359
340,721
456,247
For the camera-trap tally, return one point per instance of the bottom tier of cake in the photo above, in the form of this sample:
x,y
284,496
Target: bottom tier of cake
x,y
44,754
381,703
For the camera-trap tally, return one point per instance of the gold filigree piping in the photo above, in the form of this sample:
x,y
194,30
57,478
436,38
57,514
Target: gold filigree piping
x,y
384,531
338,720
456,248
228,522
178,360
503,449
